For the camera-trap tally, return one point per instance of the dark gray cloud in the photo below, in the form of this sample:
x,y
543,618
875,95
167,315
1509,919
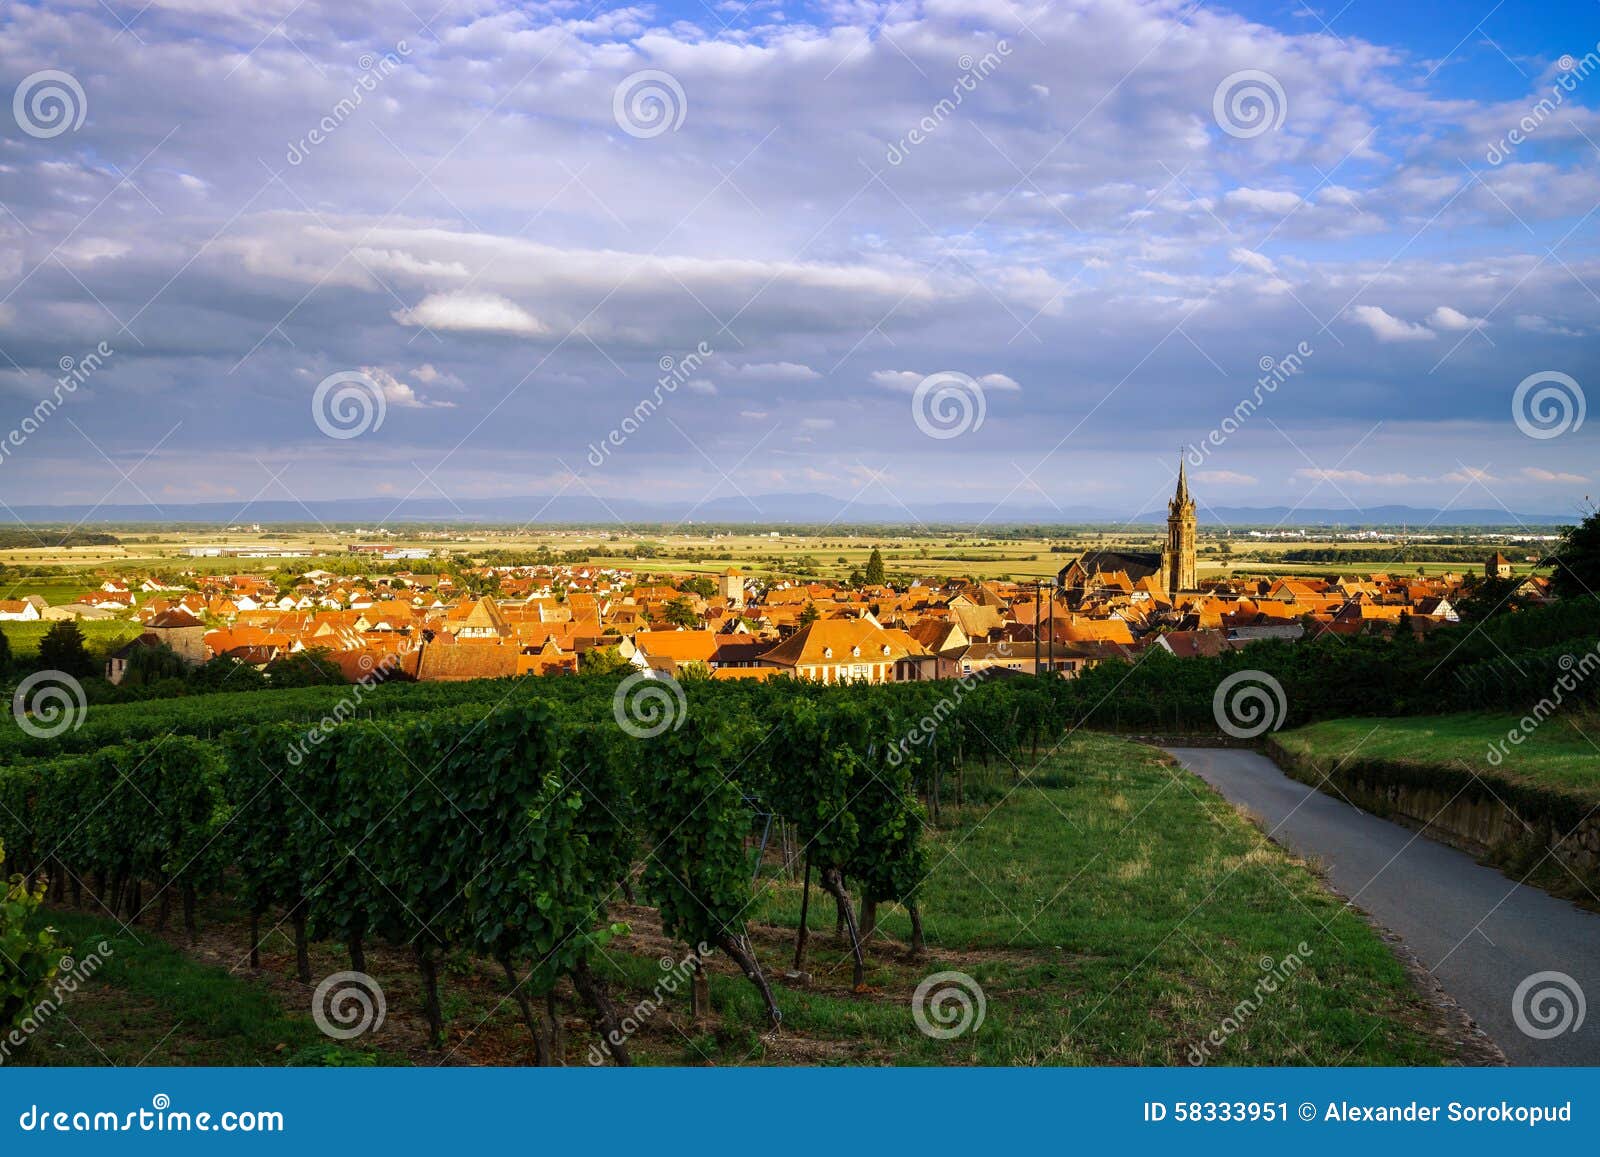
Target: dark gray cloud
x,y
1038,196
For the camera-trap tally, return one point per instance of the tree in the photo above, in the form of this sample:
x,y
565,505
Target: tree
x,y
874,571
147,665
311,668
5,653
602,661
680,613
809,615
699,585
1577,559
63,649
1482,597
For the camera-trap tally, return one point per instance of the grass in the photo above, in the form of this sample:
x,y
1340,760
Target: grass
x,y
151,1003
101,636
1562,753
1113,909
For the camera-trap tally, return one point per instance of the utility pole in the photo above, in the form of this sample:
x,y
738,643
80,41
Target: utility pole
x,y
1038,583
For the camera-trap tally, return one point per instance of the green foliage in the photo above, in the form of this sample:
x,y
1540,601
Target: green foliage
x,y
874,571
63,649
1577,560
29,954
680,613
147,665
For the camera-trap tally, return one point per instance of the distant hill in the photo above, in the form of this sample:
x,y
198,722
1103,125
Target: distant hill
x,y
757,510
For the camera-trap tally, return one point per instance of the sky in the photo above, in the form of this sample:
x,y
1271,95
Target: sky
x,y
1026,254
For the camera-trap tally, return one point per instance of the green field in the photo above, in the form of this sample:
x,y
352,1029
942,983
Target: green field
x,y
1114,910
1562,753
101,635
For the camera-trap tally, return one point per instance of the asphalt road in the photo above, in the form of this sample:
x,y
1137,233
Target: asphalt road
x,y
1478,931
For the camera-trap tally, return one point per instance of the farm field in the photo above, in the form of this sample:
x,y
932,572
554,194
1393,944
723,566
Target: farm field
x,y
1112,909
832,554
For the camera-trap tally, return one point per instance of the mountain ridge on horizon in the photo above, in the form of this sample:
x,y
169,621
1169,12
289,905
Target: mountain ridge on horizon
x,y
755,510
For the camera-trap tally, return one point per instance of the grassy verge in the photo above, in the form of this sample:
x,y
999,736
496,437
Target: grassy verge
x,y
1113,910
1533,812
1562,754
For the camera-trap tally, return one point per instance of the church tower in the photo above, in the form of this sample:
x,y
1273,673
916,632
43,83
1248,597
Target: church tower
x,y
1177,560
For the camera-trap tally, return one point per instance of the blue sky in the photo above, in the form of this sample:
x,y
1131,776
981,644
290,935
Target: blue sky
x,y
385,248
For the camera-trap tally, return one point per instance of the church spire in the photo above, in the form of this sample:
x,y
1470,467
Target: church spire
x,y
1182,495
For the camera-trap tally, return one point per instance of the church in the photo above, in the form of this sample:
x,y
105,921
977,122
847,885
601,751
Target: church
x,y
1172,569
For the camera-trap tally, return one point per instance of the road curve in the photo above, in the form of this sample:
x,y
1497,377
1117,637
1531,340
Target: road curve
x,y
1479,932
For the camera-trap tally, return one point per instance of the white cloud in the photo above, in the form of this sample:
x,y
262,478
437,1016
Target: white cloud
x,y
1252,260
1388,328
400,394
1270,201
1537,474
1453,319
777,372
472,312
701,386
1225,478
907,381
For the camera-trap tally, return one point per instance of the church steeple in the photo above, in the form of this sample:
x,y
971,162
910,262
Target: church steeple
x,y
1178,563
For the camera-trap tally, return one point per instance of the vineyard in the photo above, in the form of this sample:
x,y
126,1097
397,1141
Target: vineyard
x,y
505,824
524,823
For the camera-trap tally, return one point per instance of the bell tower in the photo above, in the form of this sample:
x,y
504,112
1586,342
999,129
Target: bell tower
x,y
1178,559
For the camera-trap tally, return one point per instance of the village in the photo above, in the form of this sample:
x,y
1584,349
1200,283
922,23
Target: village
x,y
1105,604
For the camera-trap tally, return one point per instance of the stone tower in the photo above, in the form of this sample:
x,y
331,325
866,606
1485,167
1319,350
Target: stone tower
x,y
1177,560
731,587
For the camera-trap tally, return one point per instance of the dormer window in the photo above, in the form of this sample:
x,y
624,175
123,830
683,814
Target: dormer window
x,y
827,652
856,651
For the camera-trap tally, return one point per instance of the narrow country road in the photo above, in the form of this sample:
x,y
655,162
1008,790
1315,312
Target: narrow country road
x,y
1479,932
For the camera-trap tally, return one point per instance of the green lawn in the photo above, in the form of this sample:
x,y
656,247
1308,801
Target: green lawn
x,y
1562,753
1114,910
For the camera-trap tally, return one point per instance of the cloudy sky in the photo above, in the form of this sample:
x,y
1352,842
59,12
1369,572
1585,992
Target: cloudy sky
x,y
1105,225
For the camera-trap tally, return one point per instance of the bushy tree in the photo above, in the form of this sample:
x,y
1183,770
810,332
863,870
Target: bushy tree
x,y
1577,560
874,571
63,649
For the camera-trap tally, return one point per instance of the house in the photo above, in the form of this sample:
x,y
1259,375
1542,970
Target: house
x,y
842,651
181,631
18,611
1498,566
